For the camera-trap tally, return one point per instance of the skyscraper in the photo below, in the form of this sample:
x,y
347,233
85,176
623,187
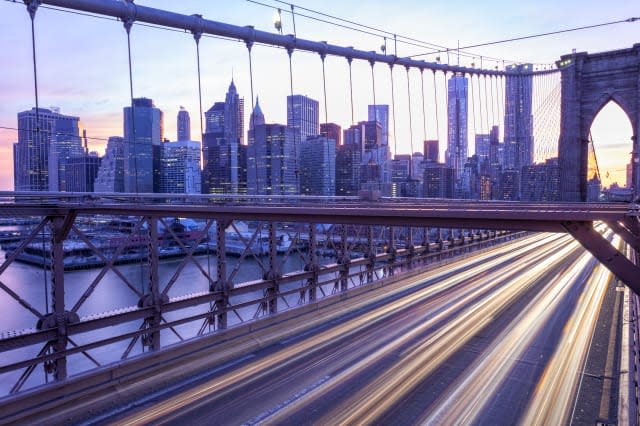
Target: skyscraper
x,y
438,180
332,131
303,117
380,113
180,168
81,171
318,166
184,125
457,113
271,158
110,177
212,143
233,138
223,137
518,119
348,160
143,135
40,133
431,150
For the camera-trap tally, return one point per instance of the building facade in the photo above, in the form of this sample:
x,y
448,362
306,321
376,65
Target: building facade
x,y
180,172
457,114
184,125
41,133
110,175
143,135
518,119
318,166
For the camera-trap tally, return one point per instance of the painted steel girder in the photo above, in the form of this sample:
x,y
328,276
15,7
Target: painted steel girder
x,y
609,256
626,234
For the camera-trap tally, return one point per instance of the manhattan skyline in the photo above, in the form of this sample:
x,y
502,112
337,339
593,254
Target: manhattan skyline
x,y
90,79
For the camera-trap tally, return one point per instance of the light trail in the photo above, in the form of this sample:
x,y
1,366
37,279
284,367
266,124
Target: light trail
x,y
552,401
412,336
469,396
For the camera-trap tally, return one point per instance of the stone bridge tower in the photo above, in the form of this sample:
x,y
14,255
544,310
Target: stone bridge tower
x,y
589,82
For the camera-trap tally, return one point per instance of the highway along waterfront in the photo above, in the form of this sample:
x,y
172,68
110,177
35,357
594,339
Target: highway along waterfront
x,y
500,337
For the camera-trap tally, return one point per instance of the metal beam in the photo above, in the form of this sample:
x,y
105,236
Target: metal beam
x,y
196,24
609,256
626,234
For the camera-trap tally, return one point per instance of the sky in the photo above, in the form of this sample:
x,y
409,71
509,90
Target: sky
x,y
83,70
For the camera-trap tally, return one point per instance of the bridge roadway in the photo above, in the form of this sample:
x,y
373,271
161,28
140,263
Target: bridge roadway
x,y
497,338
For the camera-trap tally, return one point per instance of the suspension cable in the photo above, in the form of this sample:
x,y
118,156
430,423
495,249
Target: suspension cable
x,y
486,107
128,22
424,113
252,125
373,84
493,118
473,108
32,7
349,60
393,111
410,119
324,88
293,120
495,81
435,101
196,37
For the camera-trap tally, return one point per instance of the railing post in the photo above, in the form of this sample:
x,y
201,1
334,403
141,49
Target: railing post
x,y
391,249
153,297
410,247
313,266
221,286
370,254
271,293
344,260
57,295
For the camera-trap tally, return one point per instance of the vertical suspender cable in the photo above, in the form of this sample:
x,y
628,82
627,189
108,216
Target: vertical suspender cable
x,y
249,44
480,106
435,101
495,80
326,116
473,105
493,118
393,109
293,120
409,110
424,113
324,88
349,60
196,37
373,84
486,107
32,7
127,26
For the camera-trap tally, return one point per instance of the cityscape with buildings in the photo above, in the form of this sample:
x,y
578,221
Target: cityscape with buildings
x,y
300,157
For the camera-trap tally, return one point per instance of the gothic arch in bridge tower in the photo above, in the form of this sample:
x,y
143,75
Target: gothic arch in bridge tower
x,y
589,82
